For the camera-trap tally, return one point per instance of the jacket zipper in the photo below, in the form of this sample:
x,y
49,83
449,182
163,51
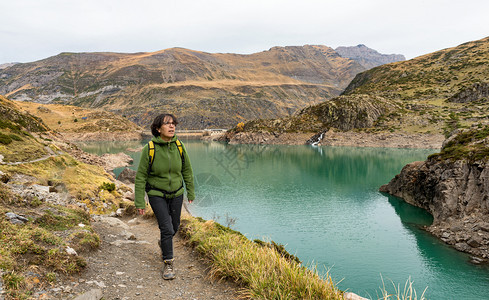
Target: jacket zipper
x,y
169,166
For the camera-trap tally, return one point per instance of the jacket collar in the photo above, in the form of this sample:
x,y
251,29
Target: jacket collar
x,y
159,140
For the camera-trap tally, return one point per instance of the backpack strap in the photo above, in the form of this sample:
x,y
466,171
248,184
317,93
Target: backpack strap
x,y
180,149
151,153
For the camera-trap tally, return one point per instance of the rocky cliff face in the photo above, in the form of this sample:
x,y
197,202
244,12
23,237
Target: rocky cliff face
x,y
369,58
454,187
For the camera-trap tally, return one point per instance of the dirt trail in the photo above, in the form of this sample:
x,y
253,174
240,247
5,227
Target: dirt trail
x,y
128,266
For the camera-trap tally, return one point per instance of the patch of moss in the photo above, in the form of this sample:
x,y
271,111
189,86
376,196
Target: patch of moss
x,y
468,144
85,240
5,139
62,219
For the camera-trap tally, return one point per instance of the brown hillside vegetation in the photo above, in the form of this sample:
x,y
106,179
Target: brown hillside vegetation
x,y
203,89
77,123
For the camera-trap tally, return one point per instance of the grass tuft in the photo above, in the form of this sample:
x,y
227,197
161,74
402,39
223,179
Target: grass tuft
x,y
262,271
408,293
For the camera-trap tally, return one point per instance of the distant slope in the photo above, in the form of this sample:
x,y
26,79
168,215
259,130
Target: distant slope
x,y
367,57
80,124
72,119
431,94
202,89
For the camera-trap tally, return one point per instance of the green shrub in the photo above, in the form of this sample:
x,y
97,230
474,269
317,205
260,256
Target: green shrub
x,y
109,186
5,139
15,137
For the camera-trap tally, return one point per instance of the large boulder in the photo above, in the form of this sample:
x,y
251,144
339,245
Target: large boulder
x,y
128,176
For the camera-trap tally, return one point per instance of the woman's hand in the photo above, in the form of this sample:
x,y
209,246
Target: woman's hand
x,y
140,211
190,201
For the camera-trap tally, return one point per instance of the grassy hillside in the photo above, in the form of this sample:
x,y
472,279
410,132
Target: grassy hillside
x,y
203,89
435,93
73,119
441,91
16,140
33,252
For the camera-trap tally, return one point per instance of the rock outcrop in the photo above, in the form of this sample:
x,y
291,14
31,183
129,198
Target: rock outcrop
x,y
454,187
477,92
127,176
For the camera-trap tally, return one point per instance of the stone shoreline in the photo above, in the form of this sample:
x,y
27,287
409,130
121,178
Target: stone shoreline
x,y
337,138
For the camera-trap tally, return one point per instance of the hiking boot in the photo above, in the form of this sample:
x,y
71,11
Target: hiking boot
x,y
168,271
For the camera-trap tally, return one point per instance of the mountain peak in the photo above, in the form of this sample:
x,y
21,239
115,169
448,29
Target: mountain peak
x,y
367,57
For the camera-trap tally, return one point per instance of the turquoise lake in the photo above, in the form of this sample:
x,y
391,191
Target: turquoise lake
x,y
323,204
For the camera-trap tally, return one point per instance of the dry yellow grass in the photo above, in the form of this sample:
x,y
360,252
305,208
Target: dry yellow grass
x,y
68,118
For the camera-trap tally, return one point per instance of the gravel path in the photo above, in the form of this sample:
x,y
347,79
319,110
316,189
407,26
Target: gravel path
x,y
128,266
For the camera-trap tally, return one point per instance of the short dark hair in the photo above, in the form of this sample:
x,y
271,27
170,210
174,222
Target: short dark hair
x,y
158,121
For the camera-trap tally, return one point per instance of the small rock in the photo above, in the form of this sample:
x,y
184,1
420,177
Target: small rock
x,y
483,226
476,260
70,251
94,294
135,221
462,247
352,296
473,243
16,219
128,235
129,196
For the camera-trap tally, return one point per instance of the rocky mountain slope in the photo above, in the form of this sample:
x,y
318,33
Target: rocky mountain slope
x,y
431,95
203,89
367,57
447,89
453,186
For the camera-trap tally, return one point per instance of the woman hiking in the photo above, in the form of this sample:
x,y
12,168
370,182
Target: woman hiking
x,y
163,169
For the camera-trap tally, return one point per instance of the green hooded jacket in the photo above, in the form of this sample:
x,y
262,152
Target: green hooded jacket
x,y
166,173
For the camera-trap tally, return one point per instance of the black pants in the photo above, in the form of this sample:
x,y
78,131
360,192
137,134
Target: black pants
x,y
167,212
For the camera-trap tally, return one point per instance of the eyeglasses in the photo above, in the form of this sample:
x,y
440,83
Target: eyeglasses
x,y
170,123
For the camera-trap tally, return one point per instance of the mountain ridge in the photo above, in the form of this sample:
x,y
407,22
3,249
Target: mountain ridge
x,y
367,57
203,89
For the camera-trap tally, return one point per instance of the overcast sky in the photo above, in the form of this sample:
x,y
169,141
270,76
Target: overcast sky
x,y
35,29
